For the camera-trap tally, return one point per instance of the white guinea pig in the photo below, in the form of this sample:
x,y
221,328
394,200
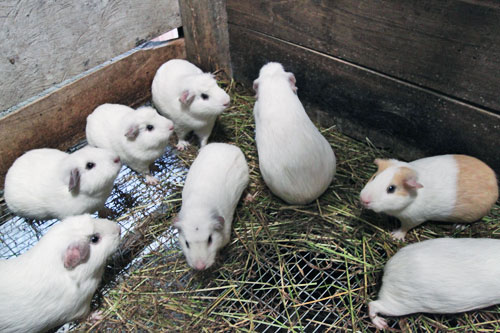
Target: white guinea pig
x,y
139,136
213,187
48,183
441,275
191,98
53,283
296,161
449,188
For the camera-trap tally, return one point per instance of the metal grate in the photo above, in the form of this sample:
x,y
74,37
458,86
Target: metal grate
x,y
18,234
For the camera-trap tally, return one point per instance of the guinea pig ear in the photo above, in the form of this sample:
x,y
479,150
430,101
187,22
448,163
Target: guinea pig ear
x,y
76,253
292,81
409,177
256,87
132,132
186,98
219,222
74,179
177,223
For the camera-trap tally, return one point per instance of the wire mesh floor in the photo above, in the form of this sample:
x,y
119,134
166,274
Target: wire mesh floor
x,y
287,268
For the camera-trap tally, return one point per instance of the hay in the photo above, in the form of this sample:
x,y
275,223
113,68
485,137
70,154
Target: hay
x,y
287,268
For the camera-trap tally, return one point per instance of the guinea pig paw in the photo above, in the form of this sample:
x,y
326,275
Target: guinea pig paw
x,y
249,198
398,234
96,316
182,145
150,180
379,322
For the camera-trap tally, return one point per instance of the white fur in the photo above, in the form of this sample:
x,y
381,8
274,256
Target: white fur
x,y
296,161
108,125
213,187
434,201
439,276
37,184
38,292
176,77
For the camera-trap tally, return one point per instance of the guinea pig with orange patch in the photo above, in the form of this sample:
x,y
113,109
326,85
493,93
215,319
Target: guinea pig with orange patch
x,y
448,188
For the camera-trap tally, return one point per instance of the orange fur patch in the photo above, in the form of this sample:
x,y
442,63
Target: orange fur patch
x,y
382,165
399,178
477,189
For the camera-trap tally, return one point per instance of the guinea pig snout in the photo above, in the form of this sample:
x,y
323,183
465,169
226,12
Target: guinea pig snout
x,y
117,159
200,265
171,127
365,200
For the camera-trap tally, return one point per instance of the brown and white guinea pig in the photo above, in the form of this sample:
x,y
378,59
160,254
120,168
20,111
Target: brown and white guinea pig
x,y
213,187
191,98
449,188
139,136
53,283
443,275
48,183
296,161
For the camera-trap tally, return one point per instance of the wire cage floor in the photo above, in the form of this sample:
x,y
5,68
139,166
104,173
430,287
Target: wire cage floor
x,y
287,268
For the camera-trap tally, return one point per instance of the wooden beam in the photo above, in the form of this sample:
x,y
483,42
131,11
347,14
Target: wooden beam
x,y
409,120
58,119
205,31
448,46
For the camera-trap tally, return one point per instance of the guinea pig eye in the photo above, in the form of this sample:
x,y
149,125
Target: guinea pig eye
x,y
89,165
94,239
204,96
150,127
209,239
391,189
187,244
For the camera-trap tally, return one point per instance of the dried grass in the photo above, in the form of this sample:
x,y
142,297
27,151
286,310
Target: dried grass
x,y
288,268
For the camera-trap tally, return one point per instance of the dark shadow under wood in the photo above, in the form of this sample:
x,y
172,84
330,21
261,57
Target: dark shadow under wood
x,y
410,120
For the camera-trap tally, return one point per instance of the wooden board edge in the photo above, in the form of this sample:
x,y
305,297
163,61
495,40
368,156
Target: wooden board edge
x,y
58,119
409,120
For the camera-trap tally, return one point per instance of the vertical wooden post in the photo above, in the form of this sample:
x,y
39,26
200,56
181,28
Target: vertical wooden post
x,y
206,34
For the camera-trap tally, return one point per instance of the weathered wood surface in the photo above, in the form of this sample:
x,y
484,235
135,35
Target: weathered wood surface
x,y
410,120
451,46
58,119
205,31
47,42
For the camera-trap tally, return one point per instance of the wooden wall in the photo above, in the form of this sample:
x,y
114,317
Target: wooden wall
x,y
420,77
46,42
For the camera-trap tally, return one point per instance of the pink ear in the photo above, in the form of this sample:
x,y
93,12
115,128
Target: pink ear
x,y
412,182
219,224
291,79
177,223
132,132
186,98
76,253
256,87
74,179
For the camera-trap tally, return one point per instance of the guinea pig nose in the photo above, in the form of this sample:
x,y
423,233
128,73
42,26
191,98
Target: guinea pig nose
x,y
227,104
365,201
171,128
117,160
200,266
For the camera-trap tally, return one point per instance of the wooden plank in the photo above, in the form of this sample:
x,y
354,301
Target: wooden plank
x,y
58,119
205,31
411,121
47,42
450,46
